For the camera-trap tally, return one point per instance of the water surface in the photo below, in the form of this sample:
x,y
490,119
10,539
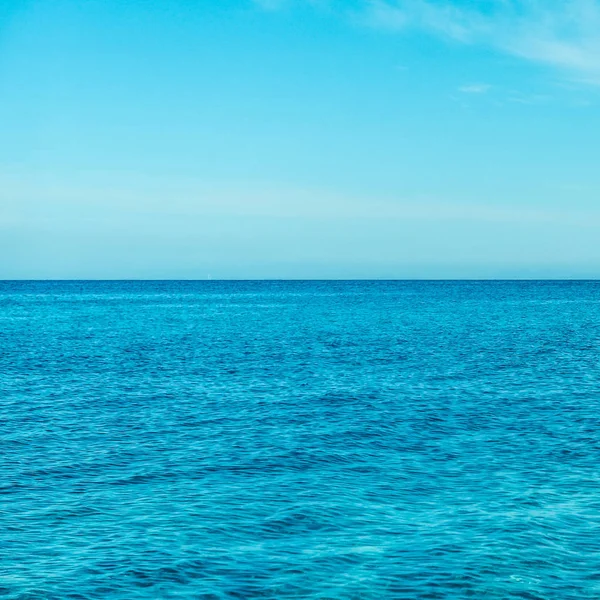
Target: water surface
x,y
331,440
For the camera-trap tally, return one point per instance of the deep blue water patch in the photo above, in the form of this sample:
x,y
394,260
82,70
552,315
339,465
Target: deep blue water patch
x,y
331,440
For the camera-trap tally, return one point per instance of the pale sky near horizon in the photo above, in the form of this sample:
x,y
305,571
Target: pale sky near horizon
x,y
299,139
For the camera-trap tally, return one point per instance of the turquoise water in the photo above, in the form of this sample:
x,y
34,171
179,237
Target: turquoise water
x,y
332,440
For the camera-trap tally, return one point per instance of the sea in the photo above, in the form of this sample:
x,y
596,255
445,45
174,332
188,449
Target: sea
x,y
333,440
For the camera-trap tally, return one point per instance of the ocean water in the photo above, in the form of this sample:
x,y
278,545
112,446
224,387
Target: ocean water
x,y
331,440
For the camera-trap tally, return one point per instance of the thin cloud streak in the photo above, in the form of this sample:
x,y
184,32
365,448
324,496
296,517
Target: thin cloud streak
x,y
137,199
561,34
475,88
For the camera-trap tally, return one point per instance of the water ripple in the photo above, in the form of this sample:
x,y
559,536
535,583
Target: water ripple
x,y
330,440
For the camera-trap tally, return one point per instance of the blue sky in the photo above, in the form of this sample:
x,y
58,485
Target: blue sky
x,y
299,139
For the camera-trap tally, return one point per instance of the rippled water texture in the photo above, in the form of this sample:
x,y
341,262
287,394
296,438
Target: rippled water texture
x,y
336,440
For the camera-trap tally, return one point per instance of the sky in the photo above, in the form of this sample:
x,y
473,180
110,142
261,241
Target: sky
x,y
318,139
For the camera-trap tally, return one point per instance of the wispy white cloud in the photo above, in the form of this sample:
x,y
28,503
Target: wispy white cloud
x,y
475,88
140,199
564,34
528,99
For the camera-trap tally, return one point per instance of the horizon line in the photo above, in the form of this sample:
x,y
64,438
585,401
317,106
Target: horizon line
x,y
299,280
